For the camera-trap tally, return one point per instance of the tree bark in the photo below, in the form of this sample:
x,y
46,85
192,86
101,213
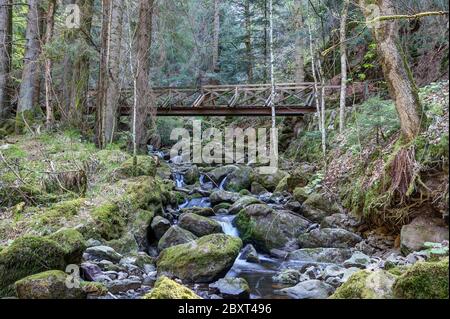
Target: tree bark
x,y
5,55
396,70
109,83
143,88
215,59
299,43
48,62
343,46
29,86
248,41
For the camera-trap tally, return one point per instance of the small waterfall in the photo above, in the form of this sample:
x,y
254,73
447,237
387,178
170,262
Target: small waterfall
x,y
226,221
179,180
222,184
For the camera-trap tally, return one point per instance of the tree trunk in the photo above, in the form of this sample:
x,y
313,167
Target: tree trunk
x,y
215,61
299,43
109,83
396,70
29,86
343,45
48,62
266,43
79,81
248,41
143,88
5,55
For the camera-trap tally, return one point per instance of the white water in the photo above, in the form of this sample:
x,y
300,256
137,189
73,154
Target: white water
x,y
226,221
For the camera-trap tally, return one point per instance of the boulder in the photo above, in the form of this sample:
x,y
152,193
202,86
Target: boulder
x,y
192,175
48,285
203,260
139,229
232,288
221,196
257,189
340,220
328,237
202,211
271,181
321,255
358,260
421,230
175,236
159,226
99,253
301,193
239,179
333,271
313,214
222,207
123,285
72,242
199,225
166,288
266,228
219,173
310,289
92,272
424,280
321,202
242,203
365,284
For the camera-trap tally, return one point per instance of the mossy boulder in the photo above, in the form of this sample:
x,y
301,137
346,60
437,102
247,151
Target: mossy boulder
x,y
203,260
199,225
220,196
240,179
365,284
321,202
219,173
267,228
166,288
48,285
192,175
424,280
109,222
202,211
242,203
145,166
175,236
72,242
27,256
271,181
139,227
328,237
301,194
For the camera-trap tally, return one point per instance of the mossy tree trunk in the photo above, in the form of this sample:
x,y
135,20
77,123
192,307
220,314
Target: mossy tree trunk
x,y
5,54
395,68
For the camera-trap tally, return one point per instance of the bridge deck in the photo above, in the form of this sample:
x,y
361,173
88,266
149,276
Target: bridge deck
x,y
291,99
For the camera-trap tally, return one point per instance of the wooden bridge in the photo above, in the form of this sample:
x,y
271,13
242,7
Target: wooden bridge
x,y
233,100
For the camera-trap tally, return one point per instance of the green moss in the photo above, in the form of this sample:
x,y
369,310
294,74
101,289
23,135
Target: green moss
x,y
166,288
26,256
72,242
246,227
245,192
145,166
424,280
354,288
301,194
109,222
94,288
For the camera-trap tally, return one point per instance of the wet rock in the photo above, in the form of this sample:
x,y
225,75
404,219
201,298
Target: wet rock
x,y
202,211
203,260
312,272
159,226
321,255
348,273
328,237
191,175
47,285
287,277
249,254
220,196
278,253
242,203
257,189
220,208
219,173
311,289
175,236
199,225
239,179
103,253
421,230
232,288
333,271
92,272
268,229
358,260
334,281
117,286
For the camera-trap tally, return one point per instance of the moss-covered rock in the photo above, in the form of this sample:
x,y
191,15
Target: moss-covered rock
x,y
240,179
27,256
72,242
175,236
199,225
365,284
301,194
166,288
203,260
266,228
145,166
109,221
242,203
271,181
94,288
320,202
139,227
424,280
48,285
